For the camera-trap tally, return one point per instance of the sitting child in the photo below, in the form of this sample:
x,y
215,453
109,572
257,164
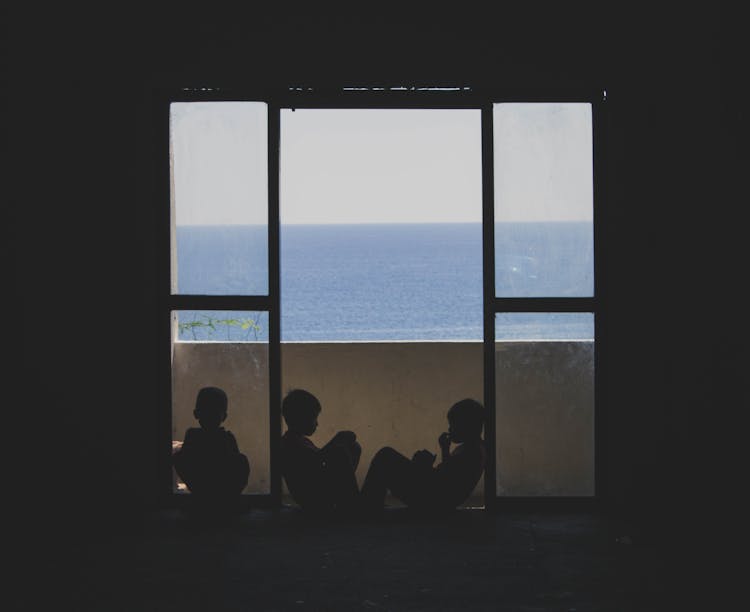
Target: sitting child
x,y
320,480
208,460
420,485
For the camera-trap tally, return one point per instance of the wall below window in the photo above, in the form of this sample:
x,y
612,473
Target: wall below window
x,y
398,393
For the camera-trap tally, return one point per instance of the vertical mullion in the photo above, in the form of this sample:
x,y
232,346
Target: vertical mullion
x,y
274,293
598,138
488,266
163,193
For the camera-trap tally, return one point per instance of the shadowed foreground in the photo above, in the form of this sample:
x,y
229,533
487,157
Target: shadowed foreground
x,y
470,560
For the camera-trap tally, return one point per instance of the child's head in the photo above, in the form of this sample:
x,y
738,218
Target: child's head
x,y
465,420
211,407
300,409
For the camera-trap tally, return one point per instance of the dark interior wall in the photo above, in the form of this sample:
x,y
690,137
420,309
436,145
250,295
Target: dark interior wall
x,y
86,246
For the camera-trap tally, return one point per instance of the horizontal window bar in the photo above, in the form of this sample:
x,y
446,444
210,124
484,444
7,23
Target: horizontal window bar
x,y
342,101
543,304
379,99
385,97
384,103
215,96
220,302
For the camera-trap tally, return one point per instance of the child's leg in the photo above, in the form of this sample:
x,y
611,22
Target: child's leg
x,y
341,482
355,452
186,468
389,470
352,450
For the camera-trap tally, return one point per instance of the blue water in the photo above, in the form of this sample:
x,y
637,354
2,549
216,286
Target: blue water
x,y
385,282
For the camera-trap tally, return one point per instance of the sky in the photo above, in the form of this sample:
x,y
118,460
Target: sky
x,y
380,165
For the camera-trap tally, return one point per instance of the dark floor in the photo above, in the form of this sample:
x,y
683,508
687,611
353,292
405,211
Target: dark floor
x,y
471,560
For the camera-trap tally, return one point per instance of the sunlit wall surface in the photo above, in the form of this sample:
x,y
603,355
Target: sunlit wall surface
x,y
241,370
545,408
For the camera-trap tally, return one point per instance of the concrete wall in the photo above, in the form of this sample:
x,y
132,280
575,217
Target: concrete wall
x,y
397,394
545,418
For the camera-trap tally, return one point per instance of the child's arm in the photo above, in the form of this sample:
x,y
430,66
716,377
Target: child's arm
x,y
342,437
189,440
444,441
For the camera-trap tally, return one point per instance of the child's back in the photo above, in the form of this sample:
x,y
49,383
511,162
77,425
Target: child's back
x,y
458,475
209,461
212,443
319,479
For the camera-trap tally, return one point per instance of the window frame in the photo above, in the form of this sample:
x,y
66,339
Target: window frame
x,y
494,305
375,97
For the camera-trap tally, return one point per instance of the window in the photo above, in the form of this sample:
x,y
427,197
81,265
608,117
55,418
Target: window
x,y
544,299
539,301
219,287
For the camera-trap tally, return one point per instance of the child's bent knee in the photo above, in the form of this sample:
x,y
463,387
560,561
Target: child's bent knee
x,y
385,453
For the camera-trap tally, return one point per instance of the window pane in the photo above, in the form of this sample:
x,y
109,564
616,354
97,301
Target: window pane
x,y
219,198
381,282
544,326
240,368
543,200
221,326
381,235
544,411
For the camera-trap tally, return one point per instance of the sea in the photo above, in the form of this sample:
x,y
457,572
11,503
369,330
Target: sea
x,y
385,282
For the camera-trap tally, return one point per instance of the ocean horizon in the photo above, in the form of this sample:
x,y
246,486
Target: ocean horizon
x,y
385,282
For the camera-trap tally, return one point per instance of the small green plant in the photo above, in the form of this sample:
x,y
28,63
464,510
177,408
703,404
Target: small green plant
x,y
212,326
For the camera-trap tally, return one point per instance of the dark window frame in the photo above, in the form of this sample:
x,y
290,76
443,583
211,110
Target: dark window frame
x,y
374,98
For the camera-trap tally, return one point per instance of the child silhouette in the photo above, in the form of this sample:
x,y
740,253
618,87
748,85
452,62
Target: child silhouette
x,y
209,461
321,480
420,485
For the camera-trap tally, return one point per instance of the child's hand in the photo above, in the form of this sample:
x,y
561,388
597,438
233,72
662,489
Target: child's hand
x,y
423,457
176,445
444,441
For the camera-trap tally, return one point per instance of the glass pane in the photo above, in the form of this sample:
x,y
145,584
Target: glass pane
x,y
544,410
240,369
381,235
219,166
381,282
544,326
543,200
221,326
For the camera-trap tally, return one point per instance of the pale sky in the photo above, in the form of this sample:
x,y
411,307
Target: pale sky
x,y
380,166
543,162
219,162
